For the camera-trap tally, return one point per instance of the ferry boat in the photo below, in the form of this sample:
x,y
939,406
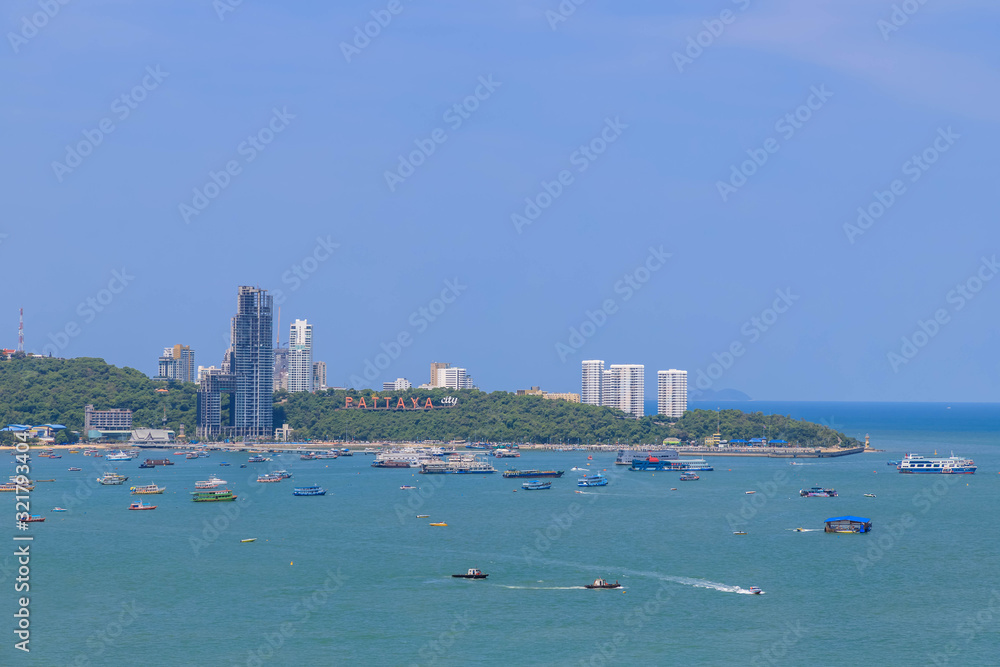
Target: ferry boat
x,y
603,583
626,456
12,487
258,458
689,477
328,455
118,456
596,479
268,478
149,489
535,485
533,473
140,506
112,479
848,524
506,454
283,474
471,574
956,465
213,496
158,462
457,466
210,483
314,490
817,492
391,464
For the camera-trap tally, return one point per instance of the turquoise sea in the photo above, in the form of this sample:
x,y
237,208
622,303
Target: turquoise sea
x,y
355,578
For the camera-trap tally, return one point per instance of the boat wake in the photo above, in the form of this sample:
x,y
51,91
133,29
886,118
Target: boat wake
x,y
804,530
545,588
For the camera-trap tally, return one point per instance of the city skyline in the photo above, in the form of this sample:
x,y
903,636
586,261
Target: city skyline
x,y
797,207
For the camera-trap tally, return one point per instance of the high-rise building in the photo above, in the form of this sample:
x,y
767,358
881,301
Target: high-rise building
x,y
400,384
623,388
435,367
453,378
319,375
280,368
300,356
177,363
593,378
247,371
671,393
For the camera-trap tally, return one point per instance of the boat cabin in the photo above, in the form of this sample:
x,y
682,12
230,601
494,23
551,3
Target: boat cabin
x,y
848,524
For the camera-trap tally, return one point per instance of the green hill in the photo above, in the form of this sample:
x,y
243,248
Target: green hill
x,y
38,391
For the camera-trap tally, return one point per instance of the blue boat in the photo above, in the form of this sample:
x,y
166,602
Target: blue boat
x,y
848,524
592,480
650,464
536,484
309,491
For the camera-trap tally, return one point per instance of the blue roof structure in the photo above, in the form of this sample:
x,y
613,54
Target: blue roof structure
x,y
54,426
859,519
16,428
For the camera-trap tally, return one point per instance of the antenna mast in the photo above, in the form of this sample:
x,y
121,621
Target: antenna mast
x,y
20,332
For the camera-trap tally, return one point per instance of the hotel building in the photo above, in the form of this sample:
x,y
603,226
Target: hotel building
x,y
671,393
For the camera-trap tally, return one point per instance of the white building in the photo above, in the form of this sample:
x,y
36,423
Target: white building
x,y
300,356
593,375
671,393
319,375
207,370
624,388
453,378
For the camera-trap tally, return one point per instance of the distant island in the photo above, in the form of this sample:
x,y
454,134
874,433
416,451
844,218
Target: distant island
x,y
44,390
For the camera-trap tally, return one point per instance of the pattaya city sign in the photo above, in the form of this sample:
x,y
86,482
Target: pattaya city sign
x,y
388,403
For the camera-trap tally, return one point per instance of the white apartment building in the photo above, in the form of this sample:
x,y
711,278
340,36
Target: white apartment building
x,y
300,363
624,388
593,376
671,393
453,378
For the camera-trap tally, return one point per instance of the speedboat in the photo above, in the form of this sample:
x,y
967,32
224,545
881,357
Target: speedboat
x,y
754,590
59,509
404,487
603,583
800,530
471,574
252,539
141,506
440,523
869,495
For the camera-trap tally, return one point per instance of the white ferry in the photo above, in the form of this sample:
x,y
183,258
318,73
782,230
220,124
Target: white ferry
x,y
952,465
118,456
457,465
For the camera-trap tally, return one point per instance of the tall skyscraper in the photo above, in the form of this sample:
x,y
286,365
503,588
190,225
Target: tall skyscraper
x,y
593,377
177,363
280,368
319,375
671,393
300,362
247,372
435,367
624,388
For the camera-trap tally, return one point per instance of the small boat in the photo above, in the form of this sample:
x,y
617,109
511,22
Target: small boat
x,y
439,524
224,464
754,590
314,490
35,517
750,493
673,488
141,506
405,486
75,469
252,539
59,509
739,532
818,492
423,516
259,458
603,583
191,455
800,530
307,457
869,495
536,485
689,477
55,456
471,574
243,465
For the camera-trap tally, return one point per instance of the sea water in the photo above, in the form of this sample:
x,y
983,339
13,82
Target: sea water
x,y
354,577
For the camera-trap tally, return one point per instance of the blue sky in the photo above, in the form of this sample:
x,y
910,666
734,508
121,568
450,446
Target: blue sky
x,y
614,122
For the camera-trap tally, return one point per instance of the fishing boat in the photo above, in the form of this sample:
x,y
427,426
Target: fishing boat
x,y
252,539
755,590
149,489
213,496
35,517
603,583
309,491
536,485
268,478
112,479
689,477
533,473
59,509
441,523
471,574
951,465
596,479
817,492
75,469
140,506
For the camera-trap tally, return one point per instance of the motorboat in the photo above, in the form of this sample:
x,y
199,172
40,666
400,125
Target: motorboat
x,y
423,516
59,509
141,506
112,478
689,477
440,523
314,490
34,517
754,590
739,532
252,539
75,469
536,485
603,583
471,574
406,486
869,495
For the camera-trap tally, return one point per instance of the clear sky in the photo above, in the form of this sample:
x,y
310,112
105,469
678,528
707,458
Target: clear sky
x,y
673,172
